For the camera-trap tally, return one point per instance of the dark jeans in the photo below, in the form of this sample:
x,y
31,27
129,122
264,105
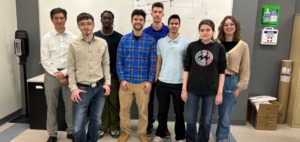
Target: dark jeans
x,y
163,92
94,100
206,116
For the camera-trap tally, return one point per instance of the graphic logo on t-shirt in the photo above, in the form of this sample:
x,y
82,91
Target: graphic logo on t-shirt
x,y
204,57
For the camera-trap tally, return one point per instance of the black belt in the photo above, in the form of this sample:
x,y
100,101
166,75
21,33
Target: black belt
x,y
230,74
93,85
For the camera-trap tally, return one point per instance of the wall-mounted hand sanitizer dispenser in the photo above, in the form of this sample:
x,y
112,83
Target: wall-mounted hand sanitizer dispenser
x,y
21,43
18,47
269,36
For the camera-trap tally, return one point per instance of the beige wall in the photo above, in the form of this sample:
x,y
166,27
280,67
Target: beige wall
x,y
10,90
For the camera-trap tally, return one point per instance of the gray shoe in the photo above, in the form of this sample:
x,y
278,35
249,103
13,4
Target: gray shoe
x,y
115,133
158,139
101,134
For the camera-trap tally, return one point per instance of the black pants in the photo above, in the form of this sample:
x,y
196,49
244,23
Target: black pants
x,y
163,93
151,105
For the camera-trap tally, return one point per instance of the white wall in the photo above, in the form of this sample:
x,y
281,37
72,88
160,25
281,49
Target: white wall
x,y
191,13
10,90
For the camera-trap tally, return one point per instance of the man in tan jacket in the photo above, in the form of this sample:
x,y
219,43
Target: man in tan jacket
x,y
89,78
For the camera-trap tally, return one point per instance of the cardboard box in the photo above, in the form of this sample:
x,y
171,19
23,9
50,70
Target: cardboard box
x,y
266,117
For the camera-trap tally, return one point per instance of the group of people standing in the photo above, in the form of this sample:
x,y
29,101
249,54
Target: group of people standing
x,y
103,72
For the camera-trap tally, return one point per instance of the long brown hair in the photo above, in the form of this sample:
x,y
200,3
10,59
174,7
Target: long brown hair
x,y
237,34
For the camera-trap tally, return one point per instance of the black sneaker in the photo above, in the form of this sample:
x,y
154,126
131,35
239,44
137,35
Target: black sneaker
x,y
70,136
101,134
149,129
149,132
52,139
167,134
115,134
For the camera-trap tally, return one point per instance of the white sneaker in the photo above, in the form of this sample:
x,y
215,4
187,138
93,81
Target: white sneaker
x,y
158,139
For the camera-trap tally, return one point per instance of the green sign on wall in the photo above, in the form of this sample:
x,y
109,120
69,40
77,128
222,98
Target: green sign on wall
x,y
269,15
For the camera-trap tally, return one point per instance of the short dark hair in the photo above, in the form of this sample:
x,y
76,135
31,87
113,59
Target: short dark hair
x,y
174,16
58,10
157,4
138,12
84,16
109,12
209,23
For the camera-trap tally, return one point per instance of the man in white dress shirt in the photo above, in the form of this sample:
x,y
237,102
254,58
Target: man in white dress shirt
x,y
54,52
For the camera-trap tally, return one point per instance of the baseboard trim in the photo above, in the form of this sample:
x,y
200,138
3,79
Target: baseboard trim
x,y
10,116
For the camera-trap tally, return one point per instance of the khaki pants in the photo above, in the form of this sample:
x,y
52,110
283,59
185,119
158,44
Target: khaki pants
x,y
52,90
142,100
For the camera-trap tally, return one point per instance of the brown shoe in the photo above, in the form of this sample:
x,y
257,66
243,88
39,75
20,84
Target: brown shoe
x,y
123,138
143,138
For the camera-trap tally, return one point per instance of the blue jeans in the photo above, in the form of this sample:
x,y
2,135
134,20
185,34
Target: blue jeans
x,y
94,100
206,116
226,108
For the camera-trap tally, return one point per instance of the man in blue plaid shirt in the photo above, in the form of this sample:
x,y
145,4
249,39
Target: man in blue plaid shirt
x,y
136,68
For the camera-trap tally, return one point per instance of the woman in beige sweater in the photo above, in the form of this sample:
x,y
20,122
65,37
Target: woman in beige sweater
x,y
236,74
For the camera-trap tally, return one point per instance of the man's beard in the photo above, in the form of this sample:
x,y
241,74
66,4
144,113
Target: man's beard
x,y
138,29
86,33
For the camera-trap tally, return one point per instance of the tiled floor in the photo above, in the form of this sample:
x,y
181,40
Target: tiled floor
x,y
283,133
247,133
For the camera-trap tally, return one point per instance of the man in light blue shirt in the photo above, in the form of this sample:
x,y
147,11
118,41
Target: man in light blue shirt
x,y
169,73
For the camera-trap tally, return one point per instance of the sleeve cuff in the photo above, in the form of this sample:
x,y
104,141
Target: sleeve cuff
x,y
151,81
65,72
121,79
73,87
222,72
240,87
108,82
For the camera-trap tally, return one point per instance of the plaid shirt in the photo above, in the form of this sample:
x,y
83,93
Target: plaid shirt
x,y
136,59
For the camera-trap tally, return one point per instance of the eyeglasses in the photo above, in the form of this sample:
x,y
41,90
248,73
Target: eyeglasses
x,y
85,24
229,25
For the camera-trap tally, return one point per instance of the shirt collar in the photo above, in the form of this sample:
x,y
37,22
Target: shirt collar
x,y
132,34
56,33
81,37
107,34
175,40
161,29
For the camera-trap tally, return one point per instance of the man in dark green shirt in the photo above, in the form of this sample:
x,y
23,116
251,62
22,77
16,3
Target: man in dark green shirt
x,y
110,114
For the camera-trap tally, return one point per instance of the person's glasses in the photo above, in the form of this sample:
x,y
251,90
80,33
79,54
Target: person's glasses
x,y
85,24
229,25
